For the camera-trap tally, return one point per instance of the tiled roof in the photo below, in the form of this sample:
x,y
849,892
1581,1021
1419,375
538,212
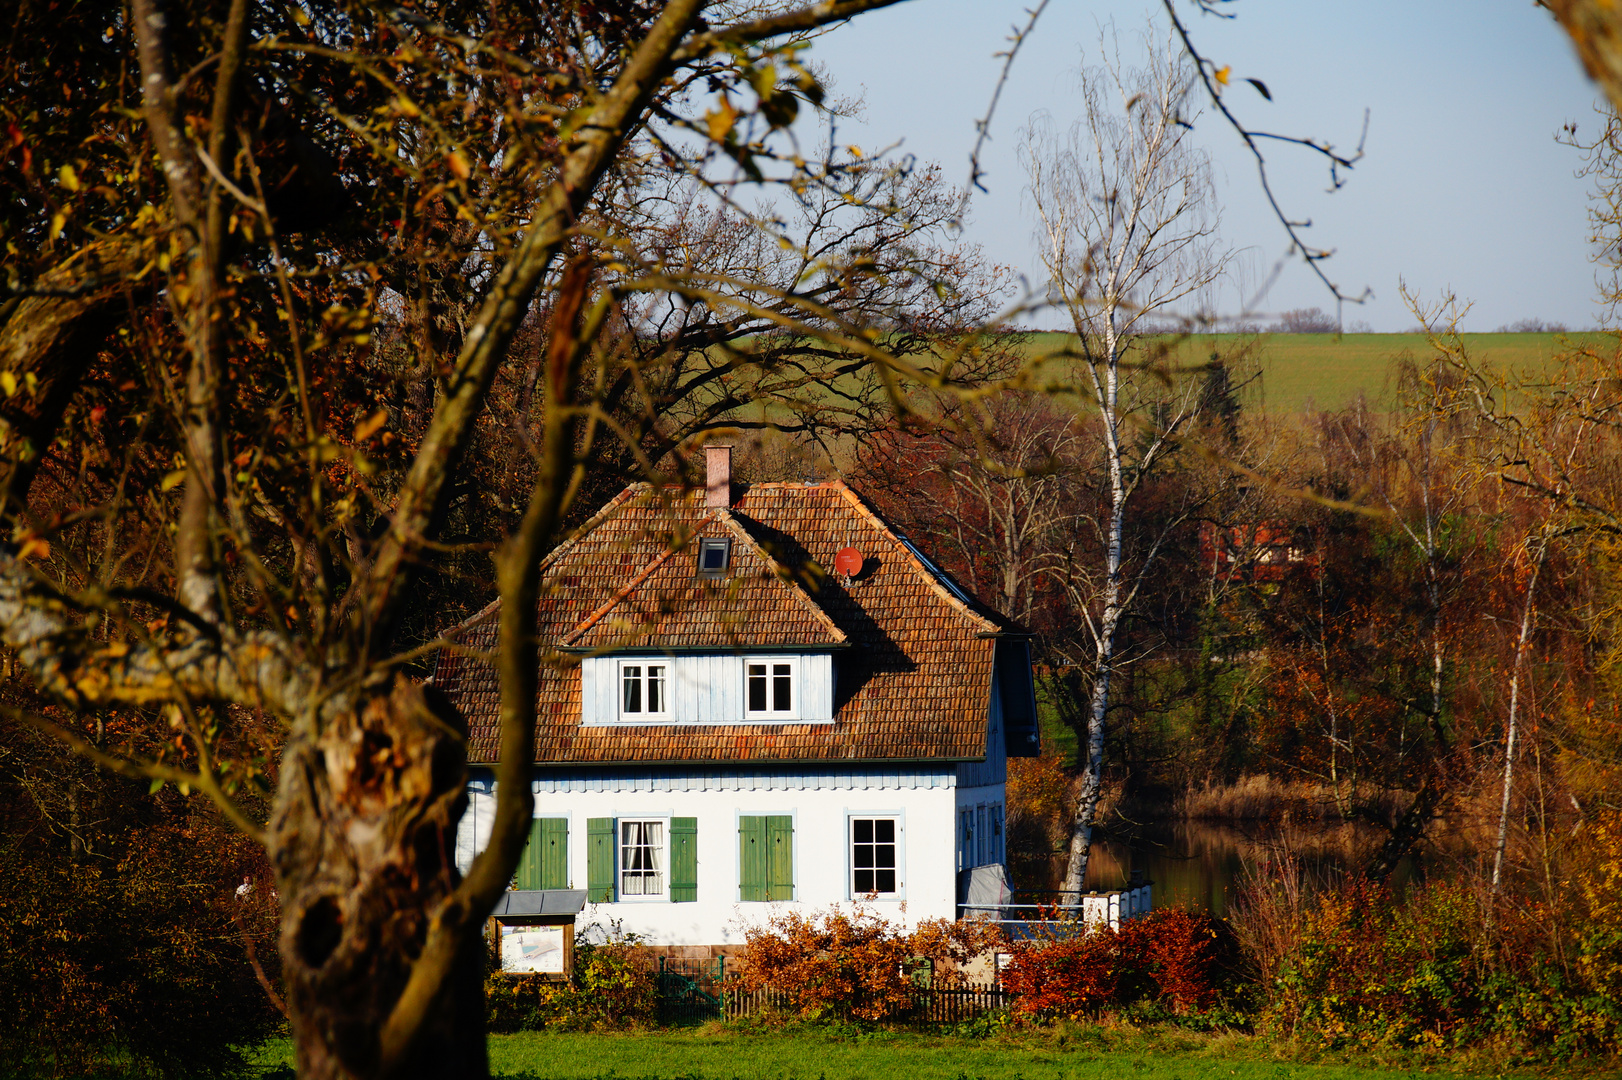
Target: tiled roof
x,y
914,656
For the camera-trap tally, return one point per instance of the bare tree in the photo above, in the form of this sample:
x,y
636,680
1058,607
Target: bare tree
x,y
1415,472
994,488
1128,230
1306,321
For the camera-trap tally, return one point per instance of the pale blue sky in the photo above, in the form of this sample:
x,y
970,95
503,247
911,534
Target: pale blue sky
x,y
1463,186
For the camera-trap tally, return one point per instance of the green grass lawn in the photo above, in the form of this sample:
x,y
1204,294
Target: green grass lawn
x,y
1324,371
1081,1053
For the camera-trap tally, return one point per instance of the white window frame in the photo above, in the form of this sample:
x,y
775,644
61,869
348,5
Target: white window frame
x,y
772,662
900,819
667,683
620,895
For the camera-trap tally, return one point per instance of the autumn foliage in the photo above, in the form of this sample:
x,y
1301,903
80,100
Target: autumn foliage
x,y
136,944
1179,958
856,965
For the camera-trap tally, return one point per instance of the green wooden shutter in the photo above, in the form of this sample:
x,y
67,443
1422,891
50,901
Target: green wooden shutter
x,y
683,860
554,853
529,863
780,846
753,876
545,862
600,860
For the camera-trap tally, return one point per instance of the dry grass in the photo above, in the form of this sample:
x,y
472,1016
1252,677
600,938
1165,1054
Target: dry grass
x,y
1262,797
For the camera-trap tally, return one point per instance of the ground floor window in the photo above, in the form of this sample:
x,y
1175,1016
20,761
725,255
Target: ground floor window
x,y
642,858
980,836
766,857
874,864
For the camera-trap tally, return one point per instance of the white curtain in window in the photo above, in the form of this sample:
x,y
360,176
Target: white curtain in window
x,y
656,688
631,674
642,858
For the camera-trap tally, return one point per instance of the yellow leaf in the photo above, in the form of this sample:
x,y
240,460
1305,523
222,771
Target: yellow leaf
x,y
1222,74
58,220
8,383
368,427
406,107
458,164
171,480
719,120
70,179
35,547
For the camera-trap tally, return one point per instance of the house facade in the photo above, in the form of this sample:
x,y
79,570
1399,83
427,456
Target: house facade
x,y
758,699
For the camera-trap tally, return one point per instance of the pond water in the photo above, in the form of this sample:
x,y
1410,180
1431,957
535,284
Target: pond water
x,y
1201,864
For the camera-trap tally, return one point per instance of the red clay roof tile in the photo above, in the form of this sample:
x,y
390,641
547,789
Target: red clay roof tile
x,y
914,659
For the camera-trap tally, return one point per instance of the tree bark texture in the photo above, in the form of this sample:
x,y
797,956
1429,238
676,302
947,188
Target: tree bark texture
x,y
363,843
1511,728
1092,777
48,342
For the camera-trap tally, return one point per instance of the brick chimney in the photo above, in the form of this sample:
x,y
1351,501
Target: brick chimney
x,y
718,476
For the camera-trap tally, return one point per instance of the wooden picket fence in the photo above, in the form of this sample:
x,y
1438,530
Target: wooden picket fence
x,y
951,1005
931,1005
692,991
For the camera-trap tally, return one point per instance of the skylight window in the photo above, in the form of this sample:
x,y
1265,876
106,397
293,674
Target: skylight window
x,y
714,556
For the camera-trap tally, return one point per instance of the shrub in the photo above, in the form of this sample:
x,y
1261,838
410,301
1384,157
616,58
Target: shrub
x,y
142,960
1176,958
855,965
613,987
1440,966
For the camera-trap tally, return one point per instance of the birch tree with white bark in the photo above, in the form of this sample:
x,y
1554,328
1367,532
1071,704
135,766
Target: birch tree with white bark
x,y
1127,229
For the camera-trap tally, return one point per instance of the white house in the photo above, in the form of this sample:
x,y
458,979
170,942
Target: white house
x,y
772,701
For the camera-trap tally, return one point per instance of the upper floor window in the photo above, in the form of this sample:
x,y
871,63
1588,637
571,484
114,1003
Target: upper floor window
x,y
644,689
659,690
770,688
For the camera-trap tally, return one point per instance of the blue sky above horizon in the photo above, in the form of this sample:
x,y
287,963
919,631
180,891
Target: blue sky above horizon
x,y
1463,187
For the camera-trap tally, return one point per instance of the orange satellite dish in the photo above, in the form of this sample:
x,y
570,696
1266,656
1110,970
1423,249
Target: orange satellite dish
x,y
848,561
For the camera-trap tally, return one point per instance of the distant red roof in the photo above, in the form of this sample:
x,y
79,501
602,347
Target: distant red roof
x,y
1262,551
915,654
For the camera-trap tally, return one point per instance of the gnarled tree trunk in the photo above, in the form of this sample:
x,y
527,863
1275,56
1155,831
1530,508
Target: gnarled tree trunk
x,y
363,843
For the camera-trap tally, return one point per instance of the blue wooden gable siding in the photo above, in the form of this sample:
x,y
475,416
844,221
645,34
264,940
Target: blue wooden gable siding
x,y
994,769
566,781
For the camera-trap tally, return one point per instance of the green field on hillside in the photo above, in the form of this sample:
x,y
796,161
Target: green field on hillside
x,y
1325,371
